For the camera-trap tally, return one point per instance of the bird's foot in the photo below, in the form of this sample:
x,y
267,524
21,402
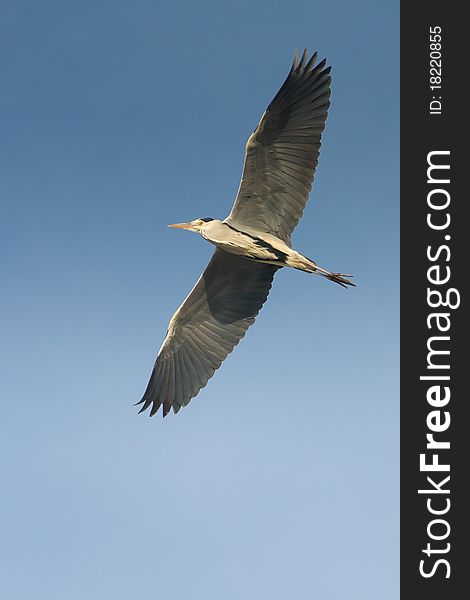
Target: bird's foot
x,y
340,279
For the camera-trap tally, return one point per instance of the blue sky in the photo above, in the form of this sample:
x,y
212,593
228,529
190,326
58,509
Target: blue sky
x,y
280,480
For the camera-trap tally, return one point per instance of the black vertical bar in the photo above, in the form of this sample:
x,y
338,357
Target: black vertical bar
x,y
434,257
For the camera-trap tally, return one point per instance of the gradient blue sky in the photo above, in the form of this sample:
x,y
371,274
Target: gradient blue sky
x,y
280,480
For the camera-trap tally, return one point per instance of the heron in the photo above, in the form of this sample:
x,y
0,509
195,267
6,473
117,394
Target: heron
x,y
252,243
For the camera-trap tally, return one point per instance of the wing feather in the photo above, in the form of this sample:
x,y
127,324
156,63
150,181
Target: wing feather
x,y
204,330
282,153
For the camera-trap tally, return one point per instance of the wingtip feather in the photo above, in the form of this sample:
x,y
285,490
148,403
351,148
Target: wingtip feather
x,y
312,60
295,61
303,60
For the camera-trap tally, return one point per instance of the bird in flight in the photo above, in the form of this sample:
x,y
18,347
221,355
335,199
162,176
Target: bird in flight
x,y
251,244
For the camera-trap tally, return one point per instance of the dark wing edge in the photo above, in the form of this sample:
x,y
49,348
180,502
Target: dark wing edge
x,y
282,153
206,327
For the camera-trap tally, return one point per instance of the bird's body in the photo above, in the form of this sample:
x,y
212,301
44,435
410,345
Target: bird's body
x,y
255,245
252,243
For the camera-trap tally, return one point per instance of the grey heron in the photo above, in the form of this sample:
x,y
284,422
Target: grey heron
x,y
252,243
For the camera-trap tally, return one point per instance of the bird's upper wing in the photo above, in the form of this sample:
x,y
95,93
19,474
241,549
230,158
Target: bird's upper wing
x,y
206,327
282,153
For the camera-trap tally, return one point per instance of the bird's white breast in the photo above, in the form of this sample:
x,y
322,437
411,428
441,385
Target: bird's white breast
x,y
250,244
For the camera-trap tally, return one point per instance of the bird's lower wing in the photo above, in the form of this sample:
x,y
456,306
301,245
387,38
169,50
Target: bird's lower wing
x,y
204,330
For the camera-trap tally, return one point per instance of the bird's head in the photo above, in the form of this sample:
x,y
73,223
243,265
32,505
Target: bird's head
x,y
197,225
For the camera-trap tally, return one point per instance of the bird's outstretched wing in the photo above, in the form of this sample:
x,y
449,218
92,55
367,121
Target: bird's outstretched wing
x,y
206,327
282,153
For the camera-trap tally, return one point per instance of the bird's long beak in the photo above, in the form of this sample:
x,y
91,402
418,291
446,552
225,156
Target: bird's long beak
x,y
182,225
